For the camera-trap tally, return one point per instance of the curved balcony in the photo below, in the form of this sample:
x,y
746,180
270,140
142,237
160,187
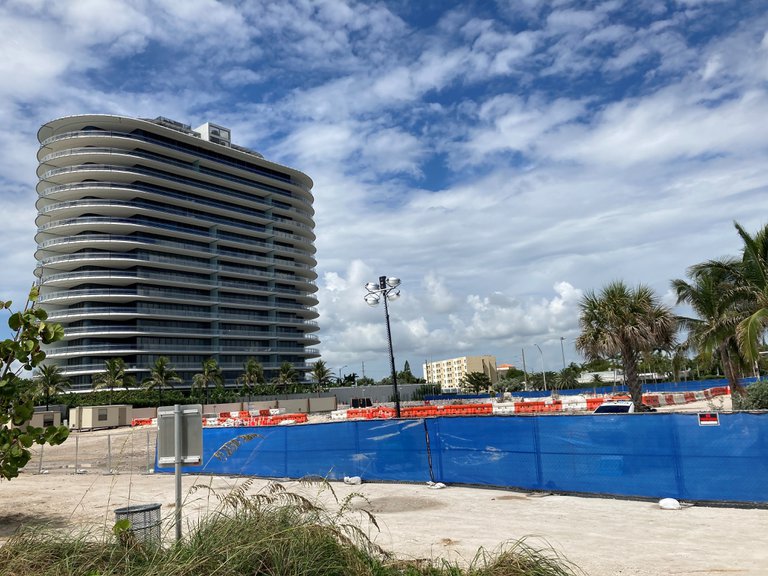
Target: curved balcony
x,y
131,276
130,207
129,191
128,312
164,295
126,260
298,190
93,171
299,206
119,330
133,348
95,368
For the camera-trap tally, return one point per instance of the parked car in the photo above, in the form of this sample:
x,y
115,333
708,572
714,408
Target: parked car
x,y
620,407
615,407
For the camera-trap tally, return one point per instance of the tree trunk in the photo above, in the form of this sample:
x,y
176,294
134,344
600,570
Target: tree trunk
x,y
629,362
737,390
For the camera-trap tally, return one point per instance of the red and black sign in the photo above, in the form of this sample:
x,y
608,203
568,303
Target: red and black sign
x,y
709,419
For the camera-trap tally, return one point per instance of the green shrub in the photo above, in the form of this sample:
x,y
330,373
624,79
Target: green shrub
x,y
757,396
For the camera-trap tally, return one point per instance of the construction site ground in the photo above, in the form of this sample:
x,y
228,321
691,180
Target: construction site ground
x,y
602,536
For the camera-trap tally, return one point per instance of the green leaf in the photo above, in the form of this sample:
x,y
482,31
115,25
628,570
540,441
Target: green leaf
x,y
121,527
15,321
26,440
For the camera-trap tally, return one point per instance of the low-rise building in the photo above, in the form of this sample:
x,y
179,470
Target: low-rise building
x,y
449,373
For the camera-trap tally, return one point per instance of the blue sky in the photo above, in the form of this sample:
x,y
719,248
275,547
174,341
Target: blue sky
x,y
499,157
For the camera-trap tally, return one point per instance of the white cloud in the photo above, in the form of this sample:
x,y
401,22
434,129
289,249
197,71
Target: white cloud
x,y
498,161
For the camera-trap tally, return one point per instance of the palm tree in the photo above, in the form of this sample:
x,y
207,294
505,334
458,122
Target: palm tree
x,y
286,377
114,376
51,382
753,288
161,376
625,321
253,375
321,374
476,381
713,296
211,374
567,378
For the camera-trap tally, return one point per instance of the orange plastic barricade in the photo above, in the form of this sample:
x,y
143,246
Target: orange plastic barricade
x,y
651,400
593,403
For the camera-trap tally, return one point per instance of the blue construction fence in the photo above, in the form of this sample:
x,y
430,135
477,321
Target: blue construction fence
x,y
654,455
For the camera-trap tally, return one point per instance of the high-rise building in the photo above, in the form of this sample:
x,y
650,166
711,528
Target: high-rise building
x,y
450,373
154,239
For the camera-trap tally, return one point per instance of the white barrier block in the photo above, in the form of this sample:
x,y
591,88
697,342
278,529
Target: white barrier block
x,y
508,408
339,415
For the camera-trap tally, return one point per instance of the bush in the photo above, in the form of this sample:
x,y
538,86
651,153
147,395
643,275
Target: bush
x,y
757,396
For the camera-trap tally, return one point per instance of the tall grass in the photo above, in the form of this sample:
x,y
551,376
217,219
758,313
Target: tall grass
x,y
271,533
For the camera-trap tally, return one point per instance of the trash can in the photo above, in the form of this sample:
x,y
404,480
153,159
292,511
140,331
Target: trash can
x,y
145,522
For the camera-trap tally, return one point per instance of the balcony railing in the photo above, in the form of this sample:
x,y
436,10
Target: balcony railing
x,y
71,332
52,173
52,191
105,312
101,238
201,153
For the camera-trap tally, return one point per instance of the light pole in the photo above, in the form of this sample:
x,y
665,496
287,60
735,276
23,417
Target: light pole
x,y
386,287
543,370
340,369
562,351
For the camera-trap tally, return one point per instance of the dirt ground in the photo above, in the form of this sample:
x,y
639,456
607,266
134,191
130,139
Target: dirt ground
x,y
603,536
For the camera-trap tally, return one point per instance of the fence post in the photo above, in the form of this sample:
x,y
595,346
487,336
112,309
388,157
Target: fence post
x,y
40,465
149,470
109,454
77,450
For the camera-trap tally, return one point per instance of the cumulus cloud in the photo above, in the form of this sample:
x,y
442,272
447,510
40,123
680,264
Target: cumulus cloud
x,y
500,161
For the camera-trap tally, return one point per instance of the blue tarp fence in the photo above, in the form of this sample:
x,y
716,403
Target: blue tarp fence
x,y
643,455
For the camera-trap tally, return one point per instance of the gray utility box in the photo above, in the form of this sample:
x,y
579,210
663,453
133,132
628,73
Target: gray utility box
x,y
191,435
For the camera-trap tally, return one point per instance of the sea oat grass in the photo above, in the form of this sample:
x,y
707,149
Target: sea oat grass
x,y
272,533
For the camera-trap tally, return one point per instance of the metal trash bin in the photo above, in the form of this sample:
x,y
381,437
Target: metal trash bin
x,y
145,522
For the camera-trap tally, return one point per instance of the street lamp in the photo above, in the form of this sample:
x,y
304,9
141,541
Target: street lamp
x,y
562,351
386,287
340,369
543,370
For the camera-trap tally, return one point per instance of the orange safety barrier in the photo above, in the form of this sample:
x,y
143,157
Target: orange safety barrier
x,y
593,403
651,400
141,421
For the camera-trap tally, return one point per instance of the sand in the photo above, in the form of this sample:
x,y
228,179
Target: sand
x,y
603,536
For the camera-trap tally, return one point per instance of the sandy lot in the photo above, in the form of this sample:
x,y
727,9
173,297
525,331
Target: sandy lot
x,y
605,537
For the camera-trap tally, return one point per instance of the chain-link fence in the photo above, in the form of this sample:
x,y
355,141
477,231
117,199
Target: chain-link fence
x,y
116,451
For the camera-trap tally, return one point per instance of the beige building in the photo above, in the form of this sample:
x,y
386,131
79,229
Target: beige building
x,y
449,373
